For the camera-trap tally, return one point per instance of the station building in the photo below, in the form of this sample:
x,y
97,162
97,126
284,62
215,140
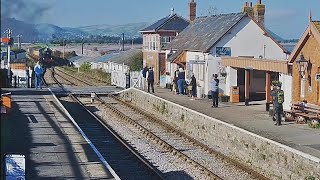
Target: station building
x,y
305,65
213,44
156,36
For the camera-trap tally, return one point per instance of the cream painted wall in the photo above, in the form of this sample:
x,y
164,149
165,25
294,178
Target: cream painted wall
x,y
287,88
245,39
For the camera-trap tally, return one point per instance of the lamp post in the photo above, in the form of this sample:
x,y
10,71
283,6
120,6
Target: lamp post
x,y
302,67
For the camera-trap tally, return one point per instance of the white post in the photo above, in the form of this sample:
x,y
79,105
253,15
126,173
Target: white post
x,y
9,68
303,84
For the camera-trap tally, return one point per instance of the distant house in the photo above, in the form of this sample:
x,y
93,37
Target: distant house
x,y
306,84
201,46
155,37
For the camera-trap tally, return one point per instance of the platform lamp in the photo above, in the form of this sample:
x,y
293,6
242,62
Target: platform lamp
x,y
302,67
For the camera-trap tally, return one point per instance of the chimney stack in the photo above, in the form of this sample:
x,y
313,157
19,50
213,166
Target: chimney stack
x,y
259,11
172,11
248,9
192,10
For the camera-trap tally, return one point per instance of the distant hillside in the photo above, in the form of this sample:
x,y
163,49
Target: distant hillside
x,y
46,32
27,30
131,30
38,32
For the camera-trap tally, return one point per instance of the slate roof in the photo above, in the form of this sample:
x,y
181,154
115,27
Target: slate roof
x,y
317,24
124,57
172,22
204,32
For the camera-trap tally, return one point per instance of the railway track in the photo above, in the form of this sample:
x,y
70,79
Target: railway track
x,y
66,76
209,161
123,159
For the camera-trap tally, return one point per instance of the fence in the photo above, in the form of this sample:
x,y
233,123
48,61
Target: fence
x,y
119,79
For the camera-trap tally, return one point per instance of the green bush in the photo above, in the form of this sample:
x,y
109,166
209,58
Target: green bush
x,y
85,67
136,63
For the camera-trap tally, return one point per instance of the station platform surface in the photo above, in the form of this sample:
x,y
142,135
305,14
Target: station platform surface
x,y
54,149
253,118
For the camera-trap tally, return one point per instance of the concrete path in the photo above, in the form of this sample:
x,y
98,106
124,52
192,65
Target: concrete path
x,y
54,149
255,119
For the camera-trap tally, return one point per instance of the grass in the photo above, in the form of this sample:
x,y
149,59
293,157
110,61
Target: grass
x,y
92,73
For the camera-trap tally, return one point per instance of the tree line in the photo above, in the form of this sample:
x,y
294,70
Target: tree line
x,y
96,39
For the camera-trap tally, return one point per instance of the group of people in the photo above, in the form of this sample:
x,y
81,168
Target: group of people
x,y
180,86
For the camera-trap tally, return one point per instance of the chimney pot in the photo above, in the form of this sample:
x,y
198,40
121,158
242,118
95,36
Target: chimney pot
x,y
259,2
250,4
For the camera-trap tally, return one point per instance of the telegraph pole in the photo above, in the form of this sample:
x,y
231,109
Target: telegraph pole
x,y
19,43
122,41
63,47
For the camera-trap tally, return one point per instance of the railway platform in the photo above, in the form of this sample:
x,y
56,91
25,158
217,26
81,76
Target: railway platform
x,y
255,119
53,148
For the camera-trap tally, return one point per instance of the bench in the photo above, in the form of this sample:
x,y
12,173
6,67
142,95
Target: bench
x,y
302,112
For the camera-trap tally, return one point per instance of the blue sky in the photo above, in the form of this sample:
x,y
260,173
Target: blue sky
x,y
287,18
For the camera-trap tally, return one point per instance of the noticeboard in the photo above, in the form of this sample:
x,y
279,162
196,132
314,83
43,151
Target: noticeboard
x,y
15,166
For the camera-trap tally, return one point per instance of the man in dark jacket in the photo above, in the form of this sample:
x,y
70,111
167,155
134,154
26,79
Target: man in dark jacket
x,y
150,78
277,99
144,76
193,84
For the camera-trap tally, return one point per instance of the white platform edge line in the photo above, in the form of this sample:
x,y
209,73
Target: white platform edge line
x,y
104,161
303,154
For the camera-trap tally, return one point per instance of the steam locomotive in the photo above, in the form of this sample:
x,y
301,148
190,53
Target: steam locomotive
x,y
43,55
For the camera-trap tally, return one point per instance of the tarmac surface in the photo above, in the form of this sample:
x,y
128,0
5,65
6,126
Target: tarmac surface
x,y
253,118
54,149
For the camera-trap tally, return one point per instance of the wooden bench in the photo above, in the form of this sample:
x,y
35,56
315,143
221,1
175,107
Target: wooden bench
x,y
301,112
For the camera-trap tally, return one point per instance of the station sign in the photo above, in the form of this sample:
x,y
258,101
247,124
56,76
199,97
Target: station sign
x,y
5,40
317,76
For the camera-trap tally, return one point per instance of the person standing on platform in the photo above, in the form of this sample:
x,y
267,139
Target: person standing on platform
x,y
144,75
278,99
215,90
38,78
181,81
150,78
193,84
175,81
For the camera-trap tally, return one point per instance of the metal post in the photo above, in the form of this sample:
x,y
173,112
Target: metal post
x,y
9,32
63,47
19,43
82,48
122,41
